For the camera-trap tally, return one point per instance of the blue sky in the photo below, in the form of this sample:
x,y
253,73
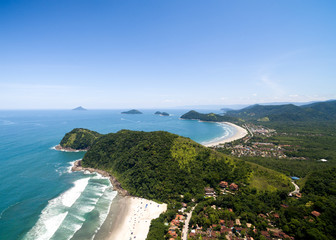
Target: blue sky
x,y
165,53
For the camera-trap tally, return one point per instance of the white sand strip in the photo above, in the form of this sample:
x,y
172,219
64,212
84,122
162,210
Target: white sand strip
x,y
239,133
135,224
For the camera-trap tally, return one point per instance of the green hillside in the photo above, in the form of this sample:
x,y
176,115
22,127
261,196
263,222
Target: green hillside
x,y
321,111
79,139
207,117
159,165
162,166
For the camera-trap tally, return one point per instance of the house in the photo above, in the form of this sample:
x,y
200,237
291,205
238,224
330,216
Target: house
x,y
315,213
233,186
298,195
223,184
209,192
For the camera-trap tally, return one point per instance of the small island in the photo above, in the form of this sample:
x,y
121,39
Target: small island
x,y
133,111
80,108
161,113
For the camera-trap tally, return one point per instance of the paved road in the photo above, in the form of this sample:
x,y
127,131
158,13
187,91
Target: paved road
x,y
186,224
297,190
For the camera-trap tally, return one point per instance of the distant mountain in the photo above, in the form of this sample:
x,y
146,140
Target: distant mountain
x,y
319,111
133,111
207,117
80,108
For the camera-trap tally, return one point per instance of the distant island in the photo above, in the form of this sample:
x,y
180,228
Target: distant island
x,y
161,113
133,111
80,108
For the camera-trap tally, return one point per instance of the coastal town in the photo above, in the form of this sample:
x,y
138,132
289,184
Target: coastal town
x,y
258,144
228,227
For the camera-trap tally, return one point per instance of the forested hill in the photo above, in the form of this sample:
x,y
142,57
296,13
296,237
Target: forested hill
x,y
320,111
162,166
79,139
193,115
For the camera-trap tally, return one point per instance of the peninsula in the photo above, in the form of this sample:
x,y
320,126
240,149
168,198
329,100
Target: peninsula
x,y
163,167
237,133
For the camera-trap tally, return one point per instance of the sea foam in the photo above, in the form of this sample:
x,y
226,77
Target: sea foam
x,y
55,212
70,196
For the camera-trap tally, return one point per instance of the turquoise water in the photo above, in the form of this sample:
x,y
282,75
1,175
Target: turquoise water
x,y
40,197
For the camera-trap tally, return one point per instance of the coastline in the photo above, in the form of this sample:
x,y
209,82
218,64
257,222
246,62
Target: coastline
x,y
62,149
129,217
239,133
116,185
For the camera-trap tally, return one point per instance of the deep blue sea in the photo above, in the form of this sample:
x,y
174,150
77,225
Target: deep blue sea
x,y
40,197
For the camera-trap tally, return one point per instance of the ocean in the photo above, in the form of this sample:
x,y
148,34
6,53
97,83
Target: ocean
x,y
40,197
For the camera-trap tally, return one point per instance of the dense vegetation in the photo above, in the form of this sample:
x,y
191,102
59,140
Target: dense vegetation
x,y
79,139
313,141
318,195
133,111
160,165
207,117
321,111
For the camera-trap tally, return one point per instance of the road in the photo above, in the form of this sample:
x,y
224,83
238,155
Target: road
x,y
186,224
297,189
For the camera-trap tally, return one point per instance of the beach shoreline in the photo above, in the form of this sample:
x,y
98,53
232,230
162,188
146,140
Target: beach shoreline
x,y
239,133
77,166
129,216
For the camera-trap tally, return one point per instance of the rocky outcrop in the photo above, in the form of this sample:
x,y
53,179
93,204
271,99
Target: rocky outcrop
x,y
67,149
116,185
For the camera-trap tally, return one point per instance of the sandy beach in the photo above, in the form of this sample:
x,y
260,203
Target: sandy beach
x,y
239,133
134,221
129,217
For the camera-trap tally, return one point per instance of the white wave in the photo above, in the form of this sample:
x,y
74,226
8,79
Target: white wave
x,y
53,148
70,196
227,133
71,165
46,226
55,212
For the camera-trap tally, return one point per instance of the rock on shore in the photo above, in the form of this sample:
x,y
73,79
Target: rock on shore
x,y
116,185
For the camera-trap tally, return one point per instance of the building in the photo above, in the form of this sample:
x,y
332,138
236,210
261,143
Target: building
x,y
223,184
233,186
